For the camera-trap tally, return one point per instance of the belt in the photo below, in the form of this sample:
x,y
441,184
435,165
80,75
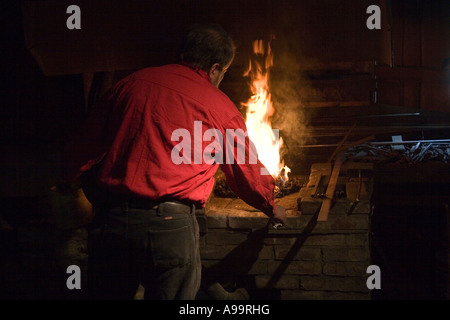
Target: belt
x,y
160,207
174,207
108,200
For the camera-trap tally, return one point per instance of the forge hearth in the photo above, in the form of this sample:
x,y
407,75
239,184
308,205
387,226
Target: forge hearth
x,y
389,209
305,259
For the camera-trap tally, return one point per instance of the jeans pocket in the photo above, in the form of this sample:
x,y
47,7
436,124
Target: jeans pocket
x,y
171,248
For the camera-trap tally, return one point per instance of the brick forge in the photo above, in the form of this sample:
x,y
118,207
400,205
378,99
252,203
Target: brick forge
x,y
305,260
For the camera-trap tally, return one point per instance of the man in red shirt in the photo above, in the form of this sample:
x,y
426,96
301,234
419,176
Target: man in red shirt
x,y
152,145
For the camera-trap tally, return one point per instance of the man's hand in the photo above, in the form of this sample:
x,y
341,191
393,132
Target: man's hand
x,y
66,188
279,216
70,207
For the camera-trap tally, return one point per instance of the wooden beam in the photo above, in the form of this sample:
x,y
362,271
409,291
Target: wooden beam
x,y
360,141
331,188
341,143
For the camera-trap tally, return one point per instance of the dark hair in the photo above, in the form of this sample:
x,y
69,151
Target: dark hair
x,y
206,44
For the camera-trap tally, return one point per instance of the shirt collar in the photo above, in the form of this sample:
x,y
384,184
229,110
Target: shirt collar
x,y
197,70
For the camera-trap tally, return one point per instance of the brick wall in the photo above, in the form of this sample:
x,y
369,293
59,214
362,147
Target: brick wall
x,y
306,259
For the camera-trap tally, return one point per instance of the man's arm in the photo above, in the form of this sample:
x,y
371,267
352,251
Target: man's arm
x,y
246,175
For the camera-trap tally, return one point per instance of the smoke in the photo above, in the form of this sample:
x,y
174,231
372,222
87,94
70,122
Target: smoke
x,y
287,83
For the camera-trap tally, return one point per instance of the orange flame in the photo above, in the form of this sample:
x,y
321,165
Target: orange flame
x,y
259,111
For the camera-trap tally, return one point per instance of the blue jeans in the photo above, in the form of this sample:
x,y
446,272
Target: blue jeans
x,y
129,246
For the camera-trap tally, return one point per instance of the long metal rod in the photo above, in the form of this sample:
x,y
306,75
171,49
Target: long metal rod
x,y
365,116
440,141
324,131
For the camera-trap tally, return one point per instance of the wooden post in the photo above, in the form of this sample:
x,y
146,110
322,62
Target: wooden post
x,y
329,195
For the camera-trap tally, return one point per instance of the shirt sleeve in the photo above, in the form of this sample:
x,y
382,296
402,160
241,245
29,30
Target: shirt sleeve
x,y
245,174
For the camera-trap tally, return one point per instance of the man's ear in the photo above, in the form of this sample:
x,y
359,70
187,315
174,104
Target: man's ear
x,y
214,68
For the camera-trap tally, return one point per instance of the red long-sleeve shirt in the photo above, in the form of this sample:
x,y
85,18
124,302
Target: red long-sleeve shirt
x,y
131,130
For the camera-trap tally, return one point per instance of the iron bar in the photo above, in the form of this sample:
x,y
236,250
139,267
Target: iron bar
x,y
438,141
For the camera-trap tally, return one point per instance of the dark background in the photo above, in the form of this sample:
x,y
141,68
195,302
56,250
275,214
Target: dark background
x,y
329,68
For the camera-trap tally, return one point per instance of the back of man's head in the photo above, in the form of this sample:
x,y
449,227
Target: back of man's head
x,y
206,44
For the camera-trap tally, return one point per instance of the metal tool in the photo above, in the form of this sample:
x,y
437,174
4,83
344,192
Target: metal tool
x,y
358,194
277,225
321,188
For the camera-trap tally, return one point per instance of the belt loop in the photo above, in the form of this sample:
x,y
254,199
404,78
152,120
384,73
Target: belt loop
x,y
158,212
193,209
